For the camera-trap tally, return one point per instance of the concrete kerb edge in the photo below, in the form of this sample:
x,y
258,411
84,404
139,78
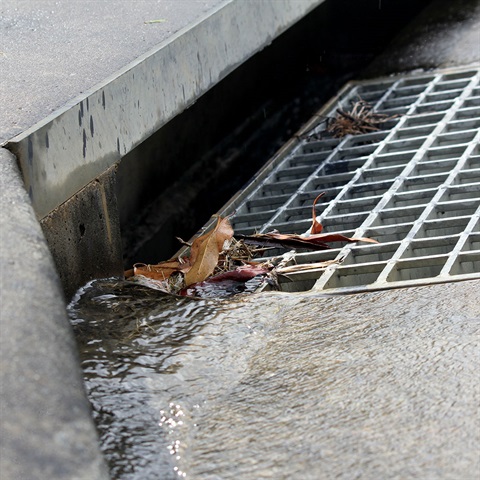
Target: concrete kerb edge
x,y
47,430
71,147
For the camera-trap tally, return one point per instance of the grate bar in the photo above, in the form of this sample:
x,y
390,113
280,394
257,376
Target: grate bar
x,y
410,167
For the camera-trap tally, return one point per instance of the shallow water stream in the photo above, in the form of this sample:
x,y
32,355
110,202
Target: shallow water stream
x,y
284,386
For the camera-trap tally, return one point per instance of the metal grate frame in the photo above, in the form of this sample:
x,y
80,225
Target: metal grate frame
x,y
414,187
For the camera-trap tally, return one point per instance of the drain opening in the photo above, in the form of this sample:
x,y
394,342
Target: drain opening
x,y
414,187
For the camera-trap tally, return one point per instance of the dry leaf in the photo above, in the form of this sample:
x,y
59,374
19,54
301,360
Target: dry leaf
x,y
313,242
205,251
162,270
204,254
276,240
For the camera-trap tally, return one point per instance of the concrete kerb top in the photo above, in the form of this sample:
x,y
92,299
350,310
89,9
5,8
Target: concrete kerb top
x,y
67,150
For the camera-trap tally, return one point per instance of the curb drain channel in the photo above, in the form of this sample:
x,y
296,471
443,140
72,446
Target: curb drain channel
x,y
414,187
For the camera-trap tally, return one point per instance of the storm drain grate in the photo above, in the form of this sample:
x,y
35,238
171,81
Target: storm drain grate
x,y
414,187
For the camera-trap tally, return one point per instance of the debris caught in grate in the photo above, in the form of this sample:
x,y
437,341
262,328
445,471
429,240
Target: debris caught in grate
x,y
219,265
413,184
360,119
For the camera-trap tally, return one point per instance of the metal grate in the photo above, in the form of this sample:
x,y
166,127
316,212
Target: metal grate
x,y
414,187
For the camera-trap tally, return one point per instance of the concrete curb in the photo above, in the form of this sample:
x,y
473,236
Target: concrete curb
x,y
46,426
62,154
68,161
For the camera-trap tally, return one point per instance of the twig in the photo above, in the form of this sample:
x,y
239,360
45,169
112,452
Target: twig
x,y
360,119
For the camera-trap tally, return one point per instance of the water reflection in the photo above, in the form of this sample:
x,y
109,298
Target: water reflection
x,y
380,385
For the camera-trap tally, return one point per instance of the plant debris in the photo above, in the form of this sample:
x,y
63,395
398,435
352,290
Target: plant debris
x,y
317,241
360,119
219,264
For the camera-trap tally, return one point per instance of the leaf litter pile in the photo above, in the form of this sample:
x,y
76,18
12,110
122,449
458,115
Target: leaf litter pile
x,y
360,119
219,264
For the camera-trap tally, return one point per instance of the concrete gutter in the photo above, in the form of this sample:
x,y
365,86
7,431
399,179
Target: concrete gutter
x,y
69,149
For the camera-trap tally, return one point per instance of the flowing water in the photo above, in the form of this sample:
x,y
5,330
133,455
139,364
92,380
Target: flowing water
x,y
284,386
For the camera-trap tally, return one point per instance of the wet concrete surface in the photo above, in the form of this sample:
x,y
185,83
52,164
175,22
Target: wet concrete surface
x,y
445,34
285,386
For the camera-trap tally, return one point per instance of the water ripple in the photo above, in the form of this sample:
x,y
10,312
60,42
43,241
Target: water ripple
x,y
276,386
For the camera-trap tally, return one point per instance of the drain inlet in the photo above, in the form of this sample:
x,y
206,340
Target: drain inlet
x,y
414,187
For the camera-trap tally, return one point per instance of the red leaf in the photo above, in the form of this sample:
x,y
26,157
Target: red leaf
x,y
317,227
241,274
223,280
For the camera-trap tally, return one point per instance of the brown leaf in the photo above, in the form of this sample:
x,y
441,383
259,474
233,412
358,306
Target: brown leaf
x,y
317,227
338,237
162,270
313,242
205,250
280,240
